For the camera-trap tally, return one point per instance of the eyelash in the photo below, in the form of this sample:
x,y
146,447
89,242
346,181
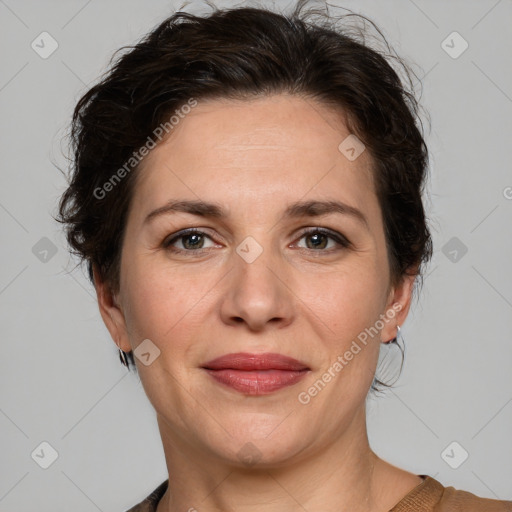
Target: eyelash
x,y
342,241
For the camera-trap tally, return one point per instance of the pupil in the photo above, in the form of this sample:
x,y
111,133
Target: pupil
x,y
188,237
316,236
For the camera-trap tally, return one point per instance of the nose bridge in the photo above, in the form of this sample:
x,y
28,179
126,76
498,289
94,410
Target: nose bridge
x,y
257,293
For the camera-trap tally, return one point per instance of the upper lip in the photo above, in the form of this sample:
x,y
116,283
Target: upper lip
x,y
248,362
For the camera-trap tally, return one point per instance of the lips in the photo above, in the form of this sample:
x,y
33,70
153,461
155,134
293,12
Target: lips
x,y
256,374
248,362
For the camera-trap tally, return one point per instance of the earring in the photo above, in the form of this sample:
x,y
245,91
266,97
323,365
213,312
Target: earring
x,y
122,357
394,340
122,354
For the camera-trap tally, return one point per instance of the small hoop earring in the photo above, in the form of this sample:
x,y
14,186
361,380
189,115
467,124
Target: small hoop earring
x,y
394,340
123,358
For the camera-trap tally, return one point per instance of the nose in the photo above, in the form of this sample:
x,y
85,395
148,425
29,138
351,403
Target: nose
x,y
258,293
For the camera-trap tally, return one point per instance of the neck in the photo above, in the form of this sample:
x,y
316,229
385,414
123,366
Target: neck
x,y
341,475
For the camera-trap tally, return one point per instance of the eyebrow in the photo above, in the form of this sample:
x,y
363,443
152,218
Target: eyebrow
x,y
299,209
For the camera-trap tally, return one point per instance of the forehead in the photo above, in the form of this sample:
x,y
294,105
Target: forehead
x,y
254,151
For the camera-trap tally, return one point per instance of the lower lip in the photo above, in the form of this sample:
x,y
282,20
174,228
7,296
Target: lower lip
x,y
257,382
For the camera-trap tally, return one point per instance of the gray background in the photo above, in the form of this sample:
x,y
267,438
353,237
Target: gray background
x,y
61,380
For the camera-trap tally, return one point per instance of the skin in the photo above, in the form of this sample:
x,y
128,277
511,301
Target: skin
x,y
254,158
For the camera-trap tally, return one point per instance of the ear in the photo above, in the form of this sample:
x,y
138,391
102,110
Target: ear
x,y
111,312
398,305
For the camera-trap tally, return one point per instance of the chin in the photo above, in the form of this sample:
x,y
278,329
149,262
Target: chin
x,y
258,441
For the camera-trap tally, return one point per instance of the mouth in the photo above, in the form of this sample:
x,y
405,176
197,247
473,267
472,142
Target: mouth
x,y
256,374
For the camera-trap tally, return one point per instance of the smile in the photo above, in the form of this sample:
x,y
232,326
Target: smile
x,y
256,374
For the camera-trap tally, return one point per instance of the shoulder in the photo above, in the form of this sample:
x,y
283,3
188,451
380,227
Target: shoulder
x,y
457,500
150,503
432,496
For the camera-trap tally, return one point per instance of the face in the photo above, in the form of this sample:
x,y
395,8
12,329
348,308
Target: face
x,y
259,273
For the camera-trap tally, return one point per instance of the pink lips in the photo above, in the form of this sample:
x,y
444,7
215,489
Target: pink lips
x,y
256,374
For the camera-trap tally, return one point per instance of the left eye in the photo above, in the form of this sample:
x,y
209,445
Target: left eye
x,y
319,239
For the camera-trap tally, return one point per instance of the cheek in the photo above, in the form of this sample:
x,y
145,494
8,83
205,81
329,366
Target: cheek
x,y
164,302
344,307
345,301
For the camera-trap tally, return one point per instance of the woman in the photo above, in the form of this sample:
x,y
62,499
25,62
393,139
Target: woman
x,y
247,195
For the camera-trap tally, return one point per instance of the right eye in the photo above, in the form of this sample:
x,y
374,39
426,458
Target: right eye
x,y
192,240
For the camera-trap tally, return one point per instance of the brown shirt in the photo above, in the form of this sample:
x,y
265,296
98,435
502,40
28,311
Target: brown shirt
x,y
429,496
